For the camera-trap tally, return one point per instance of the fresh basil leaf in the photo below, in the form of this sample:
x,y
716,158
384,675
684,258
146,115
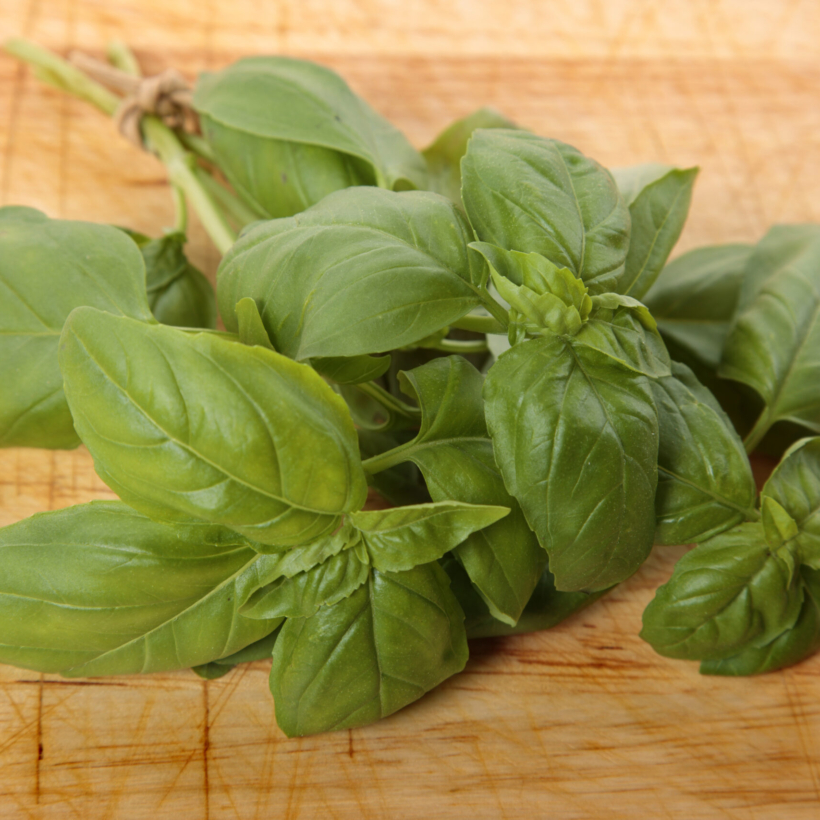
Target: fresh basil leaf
x,y
455,455
774,344
188,425
249,326
730,593
694,299
48,268
323,585
535,195
398,636
444,155
789,648
326,280
705,482
352,369
258,651
658,197
288,132
98,589
402,538
575,434
795,485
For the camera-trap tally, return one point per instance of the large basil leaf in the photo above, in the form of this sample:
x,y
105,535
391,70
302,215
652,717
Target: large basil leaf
x,y
774,344
658,197
188,425
402,538
444,155
694,299
288,132
705,482
535,195
729,593
575,434
791,647
364,271
455,455
398,636
99,589
795,485
47,268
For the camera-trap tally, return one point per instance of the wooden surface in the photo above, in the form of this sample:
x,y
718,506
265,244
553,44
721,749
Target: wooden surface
x,y
583,721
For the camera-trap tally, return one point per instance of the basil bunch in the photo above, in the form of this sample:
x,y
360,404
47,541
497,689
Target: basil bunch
x,y
461,329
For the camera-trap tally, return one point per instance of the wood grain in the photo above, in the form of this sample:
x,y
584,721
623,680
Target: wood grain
x,y
582,721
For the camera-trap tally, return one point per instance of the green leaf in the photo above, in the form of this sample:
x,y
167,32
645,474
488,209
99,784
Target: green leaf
x,y
774,344
323,585
398,636
178,293
402,538
455,455
444,155
730,593
99,589
705,482
575,434
249,326
49,267
535,195
658,197
288,132
186,425
694,299
795,486
258,651
352,369
326,280
789,648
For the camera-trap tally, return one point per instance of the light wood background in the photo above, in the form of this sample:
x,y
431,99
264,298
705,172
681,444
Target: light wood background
x,y
583,721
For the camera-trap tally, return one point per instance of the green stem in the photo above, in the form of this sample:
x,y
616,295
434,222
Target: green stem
x,y
500,314
197,145
384,461
61,74
233,207
179,162
761,427
389,401
121,57
479,323
180,209
461,346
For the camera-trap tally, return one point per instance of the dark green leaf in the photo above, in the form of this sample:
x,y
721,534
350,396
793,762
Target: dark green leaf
x,y
186,425
398,636
535,195
658,197
444,155
705,482
364,271
49,267
99,589
575,434
730,593
352,369
694,299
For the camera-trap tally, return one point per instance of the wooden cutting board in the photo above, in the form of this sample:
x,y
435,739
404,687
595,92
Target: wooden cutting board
x,y
578,722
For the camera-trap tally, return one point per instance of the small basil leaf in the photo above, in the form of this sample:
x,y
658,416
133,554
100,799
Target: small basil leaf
x,y
575,434
789,648
260,650
795,486
727,594
536,195
351,370
778,525
325,280
444,155
705,482
658,197
249,325
209,428
288,132
323,585
398,636
454,453
774,344
50,267
694,299
402,538
98,589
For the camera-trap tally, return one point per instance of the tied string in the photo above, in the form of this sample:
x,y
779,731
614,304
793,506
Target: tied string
x,y
166,95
